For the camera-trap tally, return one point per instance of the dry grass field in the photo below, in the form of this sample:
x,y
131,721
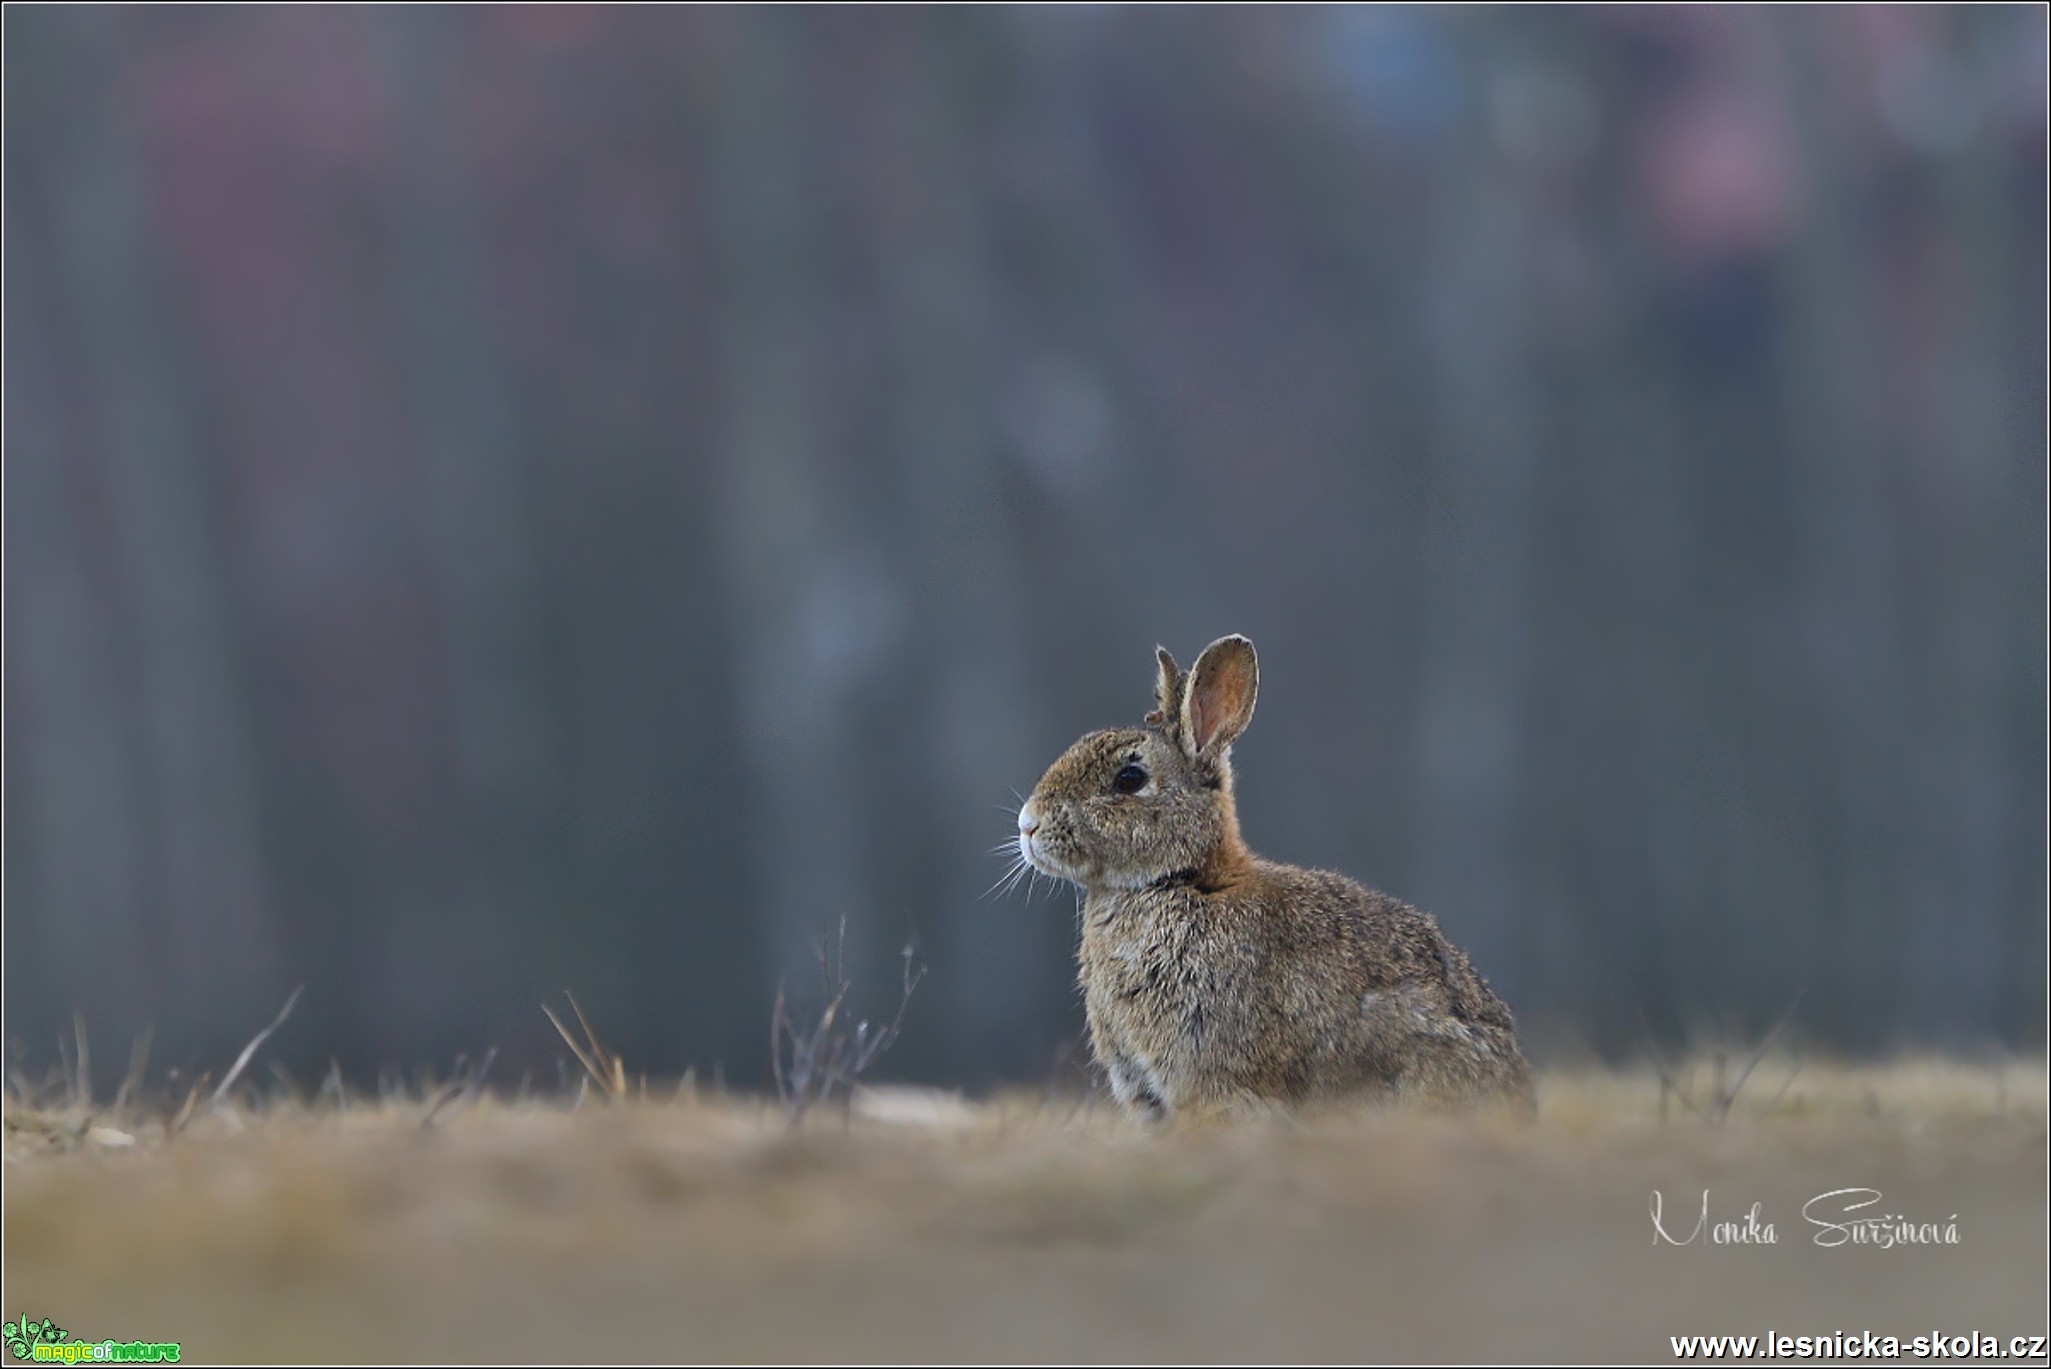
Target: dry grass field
x,y
924,1228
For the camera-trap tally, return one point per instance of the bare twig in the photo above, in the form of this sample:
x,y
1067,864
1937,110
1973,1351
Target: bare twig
x,y
475,1087
464,1086
67,1069
441,1097
827,1059
1760,1054
609,1071
779,1022
191,1102
249,1051
331,1088
1723,1090
616,1073
82,1079
285,1081
1669,1082
1785,1085
138,1066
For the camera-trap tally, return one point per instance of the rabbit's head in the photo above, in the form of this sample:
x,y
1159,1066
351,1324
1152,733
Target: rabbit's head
x,y
1130,807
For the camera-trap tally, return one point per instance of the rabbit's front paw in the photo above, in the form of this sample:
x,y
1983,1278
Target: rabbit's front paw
x,y
1136,1090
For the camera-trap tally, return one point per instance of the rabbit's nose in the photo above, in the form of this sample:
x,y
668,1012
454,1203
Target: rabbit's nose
x,y
1028,821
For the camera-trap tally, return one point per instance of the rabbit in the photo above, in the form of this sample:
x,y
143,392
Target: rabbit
x,y
1218,982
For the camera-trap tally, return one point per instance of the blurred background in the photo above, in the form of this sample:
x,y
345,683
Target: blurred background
x,y
500,500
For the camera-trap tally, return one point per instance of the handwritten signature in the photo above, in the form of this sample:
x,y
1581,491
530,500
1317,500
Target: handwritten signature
x,y
1832,1214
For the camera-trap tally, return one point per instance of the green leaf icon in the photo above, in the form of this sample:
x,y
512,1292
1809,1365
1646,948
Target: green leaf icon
x,y
21,1334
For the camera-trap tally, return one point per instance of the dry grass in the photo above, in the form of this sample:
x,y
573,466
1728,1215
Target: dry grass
x,y
927,1229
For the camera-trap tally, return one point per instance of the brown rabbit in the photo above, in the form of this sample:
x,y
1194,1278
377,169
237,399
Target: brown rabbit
x,y
1215,980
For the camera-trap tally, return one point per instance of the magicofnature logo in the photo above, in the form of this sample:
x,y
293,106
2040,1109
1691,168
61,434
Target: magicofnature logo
x,y
48,1343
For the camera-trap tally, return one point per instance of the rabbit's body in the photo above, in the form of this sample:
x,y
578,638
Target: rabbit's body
x,y
1285,985
1214,980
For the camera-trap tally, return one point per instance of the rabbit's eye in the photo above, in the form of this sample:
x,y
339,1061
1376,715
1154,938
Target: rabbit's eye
x,y
1130,780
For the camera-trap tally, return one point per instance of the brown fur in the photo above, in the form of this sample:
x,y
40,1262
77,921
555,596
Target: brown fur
x,y
1215,980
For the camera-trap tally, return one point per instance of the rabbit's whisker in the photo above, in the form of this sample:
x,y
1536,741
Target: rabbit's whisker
x,y
1007,880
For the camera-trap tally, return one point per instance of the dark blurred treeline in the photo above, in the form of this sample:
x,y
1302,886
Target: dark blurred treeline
x,y
506,499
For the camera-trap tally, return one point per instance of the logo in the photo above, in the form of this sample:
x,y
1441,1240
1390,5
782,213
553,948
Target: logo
x,y
48,1343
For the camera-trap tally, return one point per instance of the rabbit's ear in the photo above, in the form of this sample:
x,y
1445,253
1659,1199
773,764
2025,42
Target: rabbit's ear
x,y
1167,690
1218,703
